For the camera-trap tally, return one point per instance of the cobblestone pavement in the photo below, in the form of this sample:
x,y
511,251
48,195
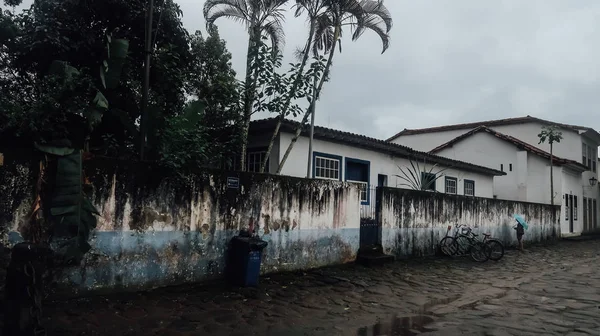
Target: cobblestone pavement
x,y
545,290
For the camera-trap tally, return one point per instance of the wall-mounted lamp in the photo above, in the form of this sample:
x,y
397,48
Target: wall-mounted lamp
x,y
593,181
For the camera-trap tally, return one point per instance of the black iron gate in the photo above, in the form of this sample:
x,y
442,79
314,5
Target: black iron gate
x,y
370,228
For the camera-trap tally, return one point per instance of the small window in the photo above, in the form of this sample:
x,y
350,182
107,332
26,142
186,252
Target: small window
x,y
584,154
501,167
510,167
255,160
363,187
428,181
327,168
451,185
469,188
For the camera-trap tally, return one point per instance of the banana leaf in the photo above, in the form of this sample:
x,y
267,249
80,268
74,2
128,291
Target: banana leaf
x,y
54,150
73,214
63,71
94,113
118,49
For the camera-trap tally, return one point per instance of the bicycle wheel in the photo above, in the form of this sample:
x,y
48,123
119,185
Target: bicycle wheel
x,y
448,246
496,249
479,252
463,245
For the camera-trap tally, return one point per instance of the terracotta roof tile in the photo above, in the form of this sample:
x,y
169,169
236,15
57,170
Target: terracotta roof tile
x,y
518,143
361,141
489,123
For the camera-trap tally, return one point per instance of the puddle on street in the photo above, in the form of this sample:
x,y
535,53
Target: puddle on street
x,y
398,326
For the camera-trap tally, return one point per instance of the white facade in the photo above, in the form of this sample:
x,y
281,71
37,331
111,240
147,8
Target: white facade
x,y
528,174
380,166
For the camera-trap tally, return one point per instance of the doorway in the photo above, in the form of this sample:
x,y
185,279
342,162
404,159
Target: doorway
x,y
382,180
569,207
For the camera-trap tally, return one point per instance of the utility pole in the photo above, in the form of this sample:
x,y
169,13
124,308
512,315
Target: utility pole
x,y
146,83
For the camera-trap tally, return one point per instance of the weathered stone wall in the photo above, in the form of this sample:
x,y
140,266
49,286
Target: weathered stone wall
x,y
157,228
413,222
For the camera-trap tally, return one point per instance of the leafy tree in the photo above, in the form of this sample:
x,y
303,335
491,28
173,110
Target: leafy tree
x,y
262,18
70,31
331,17
550,134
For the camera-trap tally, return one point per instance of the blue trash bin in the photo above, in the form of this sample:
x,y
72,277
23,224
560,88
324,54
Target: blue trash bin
x,y
245,254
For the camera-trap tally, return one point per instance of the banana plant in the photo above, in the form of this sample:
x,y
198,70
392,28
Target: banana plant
x,y
62,208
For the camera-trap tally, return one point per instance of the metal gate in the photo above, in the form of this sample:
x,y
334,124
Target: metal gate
x,y
369,224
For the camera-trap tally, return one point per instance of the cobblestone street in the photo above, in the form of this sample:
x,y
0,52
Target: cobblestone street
x,y
546,290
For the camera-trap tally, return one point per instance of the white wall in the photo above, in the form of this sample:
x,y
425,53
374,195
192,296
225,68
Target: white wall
x,y
568,148
428,141
379,164
571,184
538,180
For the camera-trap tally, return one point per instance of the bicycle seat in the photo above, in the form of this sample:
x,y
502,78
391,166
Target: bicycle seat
x,y
487,235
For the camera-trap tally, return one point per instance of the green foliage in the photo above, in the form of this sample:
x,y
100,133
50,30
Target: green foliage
x,y
274,88
550,134
207,132
72,31
71,213
184,140
413,176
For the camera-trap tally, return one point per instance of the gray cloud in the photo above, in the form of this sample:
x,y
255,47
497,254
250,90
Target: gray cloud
x,y
456,61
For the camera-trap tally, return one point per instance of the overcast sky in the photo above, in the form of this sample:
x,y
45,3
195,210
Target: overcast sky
x,y
454,61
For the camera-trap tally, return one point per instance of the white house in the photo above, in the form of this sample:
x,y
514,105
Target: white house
x,y
576,183
351,157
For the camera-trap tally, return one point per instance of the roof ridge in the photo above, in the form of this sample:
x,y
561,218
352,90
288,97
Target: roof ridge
x,y
502,136
479,123
408,152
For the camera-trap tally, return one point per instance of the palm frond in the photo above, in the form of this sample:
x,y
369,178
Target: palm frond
x,y
375,17
324,31
275,33
234,9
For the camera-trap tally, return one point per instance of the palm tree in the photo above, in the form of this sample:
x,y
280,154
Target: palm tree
x,y
550,134
313,8
261,17
360,15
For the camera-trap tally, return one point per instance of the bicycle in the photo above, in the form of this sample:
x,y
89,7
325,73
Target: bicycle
x,y
495,247
464,243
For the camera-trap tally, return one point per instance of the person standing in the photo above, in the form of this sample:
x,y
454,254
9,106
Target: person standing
x,y
520,232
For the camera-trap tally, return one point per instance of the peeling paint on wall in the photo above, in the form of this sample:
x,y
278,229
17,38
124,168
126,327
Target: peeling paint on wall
x,y
413,222
157,228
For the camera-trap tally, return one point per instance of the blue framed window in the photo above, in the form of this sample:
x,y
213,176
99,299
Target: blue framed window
x,y
327,166
358,171
469,188
451,185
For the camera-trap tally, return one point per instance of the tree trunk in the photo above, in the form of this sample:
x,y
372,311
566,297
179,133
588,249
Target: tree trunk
x,y
552,184
288,101
313,102
312,133
248,95
146,82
